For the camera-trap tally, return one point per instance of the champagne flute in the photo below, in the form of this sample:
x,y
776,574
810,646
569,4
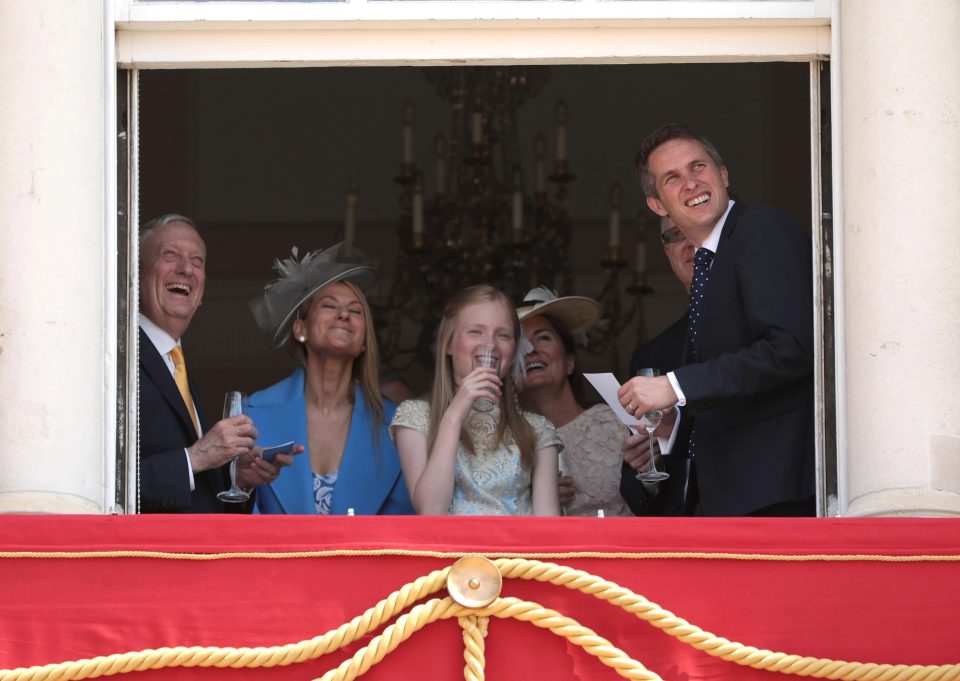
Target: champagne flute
x,y
651,420
486,356
233,405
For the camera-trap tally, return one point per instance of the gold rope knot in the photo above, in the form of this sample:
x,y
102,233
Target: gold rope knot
x,y
474,582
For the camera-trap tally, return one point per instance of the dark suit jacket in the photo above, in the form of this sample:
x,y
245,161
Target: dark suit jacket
x,y
165,430
663,352
750,391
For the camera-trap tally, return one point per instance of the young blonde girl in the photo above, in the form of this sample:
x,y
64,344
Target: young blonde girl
x,y
459,460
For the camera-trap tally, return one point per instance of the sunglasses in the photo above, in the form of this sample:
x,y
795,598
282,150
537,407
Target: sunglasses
x,y
672,236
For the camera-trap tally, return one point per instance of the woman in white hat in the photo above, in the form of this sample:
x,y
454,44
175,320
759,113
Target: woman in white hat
x,y
470,449
554,386
332,404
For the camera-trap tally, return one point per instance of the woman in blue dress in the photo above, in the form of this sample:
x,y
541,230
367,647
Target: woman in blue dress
x,y
331,404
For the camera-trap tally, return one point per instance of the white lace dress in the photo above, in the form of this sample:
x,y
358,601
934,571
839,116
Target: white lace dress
x,y
591,456
492,481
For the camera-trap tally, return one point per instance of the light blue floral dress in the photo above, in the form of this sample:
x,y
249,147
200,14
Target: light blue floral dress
x,y
492,481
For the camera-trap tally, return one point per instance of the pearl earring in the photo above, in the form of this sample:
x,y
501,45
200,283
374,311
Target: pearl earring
x,y
302,339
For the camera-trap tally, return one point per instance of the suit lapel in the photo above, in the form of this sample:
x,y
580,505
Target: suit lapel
x,y
718,269
365,479
287,420
729,226
686,339
156,369
195,394
293,488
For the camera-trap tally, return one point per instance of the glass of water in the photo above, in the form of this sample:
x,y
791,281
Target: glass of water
x,y
486,356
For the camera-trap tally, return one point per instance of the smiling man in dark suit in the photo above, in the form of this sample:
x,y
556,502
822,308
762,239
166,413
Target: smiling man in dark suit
x,y
747,377
676,496
180,471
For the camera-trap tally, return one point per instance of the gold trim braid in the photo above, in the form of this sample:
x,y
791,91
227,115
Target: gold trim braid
x,y
414,553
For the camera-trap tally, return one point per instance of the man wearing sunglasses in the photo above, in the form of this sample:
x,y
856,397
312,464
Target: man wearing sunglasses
x,y
677,495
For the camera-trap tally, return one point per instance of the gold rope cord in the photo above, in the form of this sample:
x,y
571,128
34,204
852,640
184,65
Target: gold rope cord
x,y
424,613
554,555
474,631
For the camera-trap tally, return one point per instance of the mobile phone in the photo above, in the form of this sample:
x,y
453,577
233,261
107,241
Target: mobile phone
x,y
270,453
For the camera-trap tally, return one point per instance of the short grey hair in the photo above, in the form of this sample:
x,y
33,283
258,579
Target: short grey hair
x,y
149,230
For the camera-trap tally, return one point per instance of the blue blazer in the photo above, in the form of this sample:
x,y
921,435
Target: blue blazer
x,y
369,481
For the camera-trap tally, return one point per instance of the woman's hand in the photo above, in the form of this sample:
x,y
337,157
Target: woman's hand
x,y
253,469
636,451
566,489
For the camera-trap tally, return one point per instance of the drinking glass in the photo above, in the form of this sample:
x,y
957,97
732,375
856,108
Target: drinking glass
x,y
651,420
233,406
486,356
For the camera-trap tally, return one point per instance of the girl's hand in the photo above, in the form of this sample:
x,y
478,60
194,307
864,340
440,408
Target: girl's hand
x,y
481,382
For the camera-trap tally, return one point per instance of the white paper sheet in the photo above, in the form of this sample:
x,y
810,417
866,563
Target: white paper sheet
x,y
608,385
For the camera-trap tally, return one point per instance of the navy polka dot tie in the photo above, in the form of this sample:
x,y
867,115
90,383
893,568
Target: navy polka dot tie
x,y
701,274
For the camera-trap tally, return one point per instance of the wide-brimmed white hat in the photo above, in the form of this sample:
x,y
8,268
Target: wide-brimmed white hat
x,y
299,279
576,313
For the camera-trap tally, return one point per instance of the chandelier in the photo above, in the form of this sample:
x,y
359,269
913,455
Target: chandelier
x,y
484,221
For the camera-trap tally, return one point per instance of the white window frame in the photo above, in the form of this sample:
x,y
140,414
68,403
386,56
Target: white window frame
x,y
276,34
262,12
186,34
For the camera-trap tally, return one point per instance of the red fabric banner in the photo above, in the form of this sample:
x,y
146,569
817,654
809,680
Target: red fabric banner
x,y
871,590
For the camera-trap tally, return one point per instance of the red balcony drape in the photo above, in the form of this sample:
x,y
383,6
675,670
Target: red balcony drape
x,y
869,590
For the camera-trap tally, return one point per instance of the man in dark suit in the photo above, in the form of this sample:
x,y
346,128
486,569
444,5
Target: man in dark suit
x,y
181,472
747,377
677,495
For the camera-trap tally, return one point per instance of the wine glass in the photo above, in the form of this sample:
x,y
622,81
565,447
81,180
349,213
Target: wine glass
x,y
233,405
651,420
486,356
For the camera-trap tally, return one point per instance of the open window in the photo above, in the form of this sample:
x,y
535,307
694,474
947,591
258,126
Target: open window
x,y
262,159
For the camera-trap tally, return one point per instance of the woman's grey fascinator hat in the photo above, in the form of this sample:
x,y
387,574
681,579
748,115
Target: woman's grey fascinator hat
x,y
299,279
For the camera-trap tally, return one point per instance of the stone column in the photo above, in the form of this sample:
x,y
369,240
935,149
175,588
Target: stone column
x,y
900,65
52,257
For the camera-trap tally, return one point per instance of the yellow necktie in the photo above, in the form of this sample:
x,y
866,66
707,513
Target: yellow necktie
x,y
180,378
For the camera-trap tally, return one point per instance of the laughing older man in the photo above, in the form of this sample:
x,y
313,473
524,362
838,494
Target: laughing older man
x,y
182,462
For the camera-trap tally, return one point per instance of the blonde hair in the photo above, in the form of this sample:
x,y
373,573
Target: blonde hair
x,y
366,365
512,420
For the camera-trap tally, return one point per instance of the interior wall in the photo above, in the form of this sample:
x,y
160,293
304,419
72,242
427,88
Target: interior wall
x,y
262,159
